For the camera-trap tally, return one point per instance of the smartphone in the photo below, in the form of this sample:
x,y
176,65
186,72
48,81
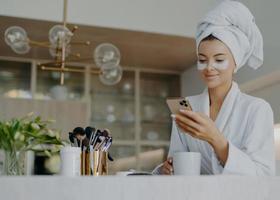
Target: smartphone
x,y
176,104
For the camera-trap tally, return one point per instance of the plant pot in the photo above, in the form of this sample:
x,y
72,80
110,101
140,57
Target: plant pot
x,y
14,163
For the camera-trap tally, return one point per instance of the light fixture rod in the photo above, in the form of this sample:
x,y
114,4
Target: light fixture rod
x,y
69,70
65,3
63,43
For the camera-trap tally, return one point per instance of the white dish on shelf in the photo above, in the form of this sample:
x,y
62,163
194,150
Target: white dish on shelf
x,y
127,87
111,118
110,108
152,135
59,92
128,115
149,112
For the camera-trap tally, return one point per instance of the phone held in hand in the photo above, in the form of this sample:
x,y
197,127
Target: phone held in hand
x,y
177,104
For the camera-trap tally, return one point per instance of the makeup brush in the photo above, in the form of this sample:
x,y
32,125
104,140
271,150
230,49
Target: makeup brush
x,y
89,131
101,143
110,157
79,130
71,138
106,132
96,139
108,144
80,134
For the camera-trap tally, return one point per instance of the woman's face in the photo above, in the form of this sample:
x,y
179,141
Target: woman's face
x,y
215,62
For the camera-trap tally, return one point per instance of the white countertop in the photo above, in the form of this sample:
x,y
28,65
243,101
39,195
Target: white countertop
x,y
140,187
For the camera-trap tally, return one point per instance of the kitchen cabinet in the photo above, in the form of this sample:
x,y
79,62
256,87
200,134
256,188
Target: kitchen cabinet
x,y
134,110
15,78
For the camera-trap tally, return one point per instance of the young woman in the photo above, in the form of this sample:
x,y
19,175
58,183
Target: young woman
x,y
232,131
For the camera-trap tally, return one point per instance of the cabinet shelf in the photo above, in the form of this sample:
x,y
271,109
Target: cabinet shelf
x,y
124,143
155,143
149,122
113,95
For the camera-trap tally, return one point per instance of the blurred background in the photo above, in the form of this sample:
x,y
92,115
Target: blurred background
x,y
156,42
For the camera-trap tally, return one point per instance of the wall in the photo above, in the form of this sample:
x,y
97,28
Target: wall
x,y
176,17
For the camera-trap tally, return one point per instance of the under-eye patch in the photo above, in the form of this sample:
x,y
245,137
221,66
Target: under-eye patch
x,y
201,66
220,66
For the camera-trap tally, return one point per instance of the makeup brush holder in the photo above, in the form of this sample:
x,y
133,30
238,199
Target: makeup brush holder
x,y
94,163
100,163
85,164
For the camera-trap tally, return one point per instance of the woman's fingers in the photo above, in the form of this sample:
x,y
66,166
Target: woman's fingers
x,y
167,167
193,116
194,133
191,131
170,160
165,171
188,122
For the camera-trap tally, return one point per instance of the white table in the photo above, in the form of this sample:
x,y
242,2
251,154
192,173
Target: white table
x,y
141,187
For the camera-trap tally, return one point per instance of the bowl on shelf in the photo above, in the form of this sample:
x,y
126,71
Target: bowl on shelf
x,y
152,135
59,92
128,116
149,112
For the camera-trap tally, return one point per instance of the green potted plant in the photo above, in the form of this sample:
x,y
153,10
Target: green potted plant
x,y
17,136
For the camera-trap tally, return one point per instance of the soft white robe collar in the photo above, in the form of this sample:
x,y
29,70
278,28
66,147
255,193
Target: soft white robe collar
x,y
203,105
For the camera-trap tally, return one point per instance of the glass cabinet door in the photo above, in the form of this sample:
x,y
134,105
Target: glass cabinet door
x,y
113,108
15,79
155,116
139,142
48,85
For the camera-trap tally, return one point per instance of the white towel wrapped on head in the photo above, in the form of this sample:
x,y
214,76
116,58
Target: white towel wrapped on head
x,y
233,24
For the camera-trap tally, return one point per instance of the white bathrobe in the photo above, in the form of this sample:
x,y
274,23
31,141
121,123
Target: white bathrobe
x,y
246,122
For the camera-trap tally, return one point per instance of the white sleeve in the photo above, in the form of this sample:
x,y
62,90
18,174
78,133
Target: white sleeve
x,y
257,154
176,144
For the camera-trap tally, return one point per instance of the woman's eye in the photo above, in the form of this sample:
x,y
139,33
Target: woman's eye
x,y
202,61
219,61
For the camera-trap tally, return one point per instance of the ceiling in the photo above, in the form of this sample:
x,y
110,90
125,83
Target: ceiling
x,y
138,49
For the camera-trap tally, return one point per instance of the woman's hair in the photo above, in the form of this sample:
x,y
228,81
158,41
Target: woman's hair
x,y
209,38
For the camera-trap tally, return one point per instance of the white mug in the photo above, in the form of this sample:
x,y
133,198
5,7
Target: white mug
x,y
187,163
70,161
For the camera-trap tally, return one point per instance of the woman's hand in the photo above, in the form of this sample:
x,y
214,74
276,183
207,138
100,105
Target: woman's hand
x,y
167,167
200,126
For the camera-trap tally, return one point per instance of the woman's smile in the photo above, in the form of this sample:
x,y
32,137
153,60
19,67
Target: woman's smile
x,y
211,76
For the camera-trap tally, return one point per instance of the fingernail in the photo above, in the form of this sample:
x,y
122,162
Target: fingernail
x,y
173,116
184,111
